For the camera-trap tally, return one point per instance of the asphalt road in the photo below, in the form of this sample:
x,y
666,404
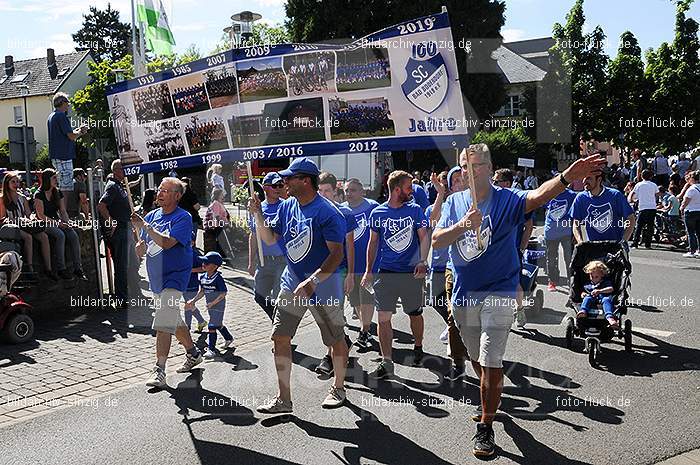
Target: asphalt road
x,y
636,409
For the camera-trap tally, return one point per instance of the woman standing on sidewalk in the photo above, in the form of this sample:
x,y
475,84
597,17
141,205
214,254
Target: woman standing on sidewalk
x,y
690,210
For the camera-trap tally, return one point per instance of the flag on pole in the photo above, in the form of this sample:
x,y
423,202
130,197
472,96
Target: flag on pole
x,y
151,14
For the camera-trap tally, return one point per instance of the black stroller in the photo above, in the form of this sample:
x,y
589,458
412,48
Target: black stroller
x,y
595,328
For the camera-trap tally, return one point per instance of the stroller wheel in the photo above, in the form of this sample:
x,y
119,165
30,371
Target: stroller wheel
x,y
628,336
593,352
569,333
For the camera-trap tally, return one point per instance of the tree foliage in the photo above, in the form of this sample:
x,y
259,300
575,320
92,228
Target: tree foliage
x,y
506,145
103,34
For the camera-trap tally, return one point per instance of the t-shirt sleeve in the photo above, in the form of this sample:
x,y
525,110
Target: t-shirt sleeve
x,y
276,222
148,218
109,194
576,212
691,193
333,225
350,223
196,259
181,229
516,208
220,284
625,206
64,124
374,221
421,221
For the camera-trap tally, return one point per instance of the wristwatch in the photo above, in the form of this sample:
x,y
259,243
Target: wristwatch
x,y
315,280
563,180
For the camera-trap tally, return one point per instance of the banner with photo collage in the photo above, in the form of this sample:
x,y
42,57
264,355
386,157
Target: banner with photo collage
x,y
397,89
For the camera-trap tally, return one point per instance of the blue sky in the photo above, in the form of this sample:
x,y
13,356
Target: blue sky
x,y
28,27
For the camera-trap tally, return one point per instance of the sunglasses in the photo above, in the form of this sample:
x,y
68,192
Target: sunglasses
x,y
277,185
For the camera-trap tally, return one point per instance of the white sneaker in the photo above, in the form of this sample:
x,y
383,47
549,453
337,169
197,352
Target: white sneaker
x,y
335,398
276,405
190,362
157,378
209,354
445,335
689,255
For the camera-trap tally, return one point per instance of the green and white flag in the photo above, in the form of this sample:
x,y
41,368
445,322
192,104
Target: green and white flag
x,y
157,35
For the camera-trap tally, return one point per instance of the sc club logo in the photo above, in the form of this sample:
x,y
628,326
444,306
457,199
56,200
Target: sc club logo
x,y
300,238
426,81
399,233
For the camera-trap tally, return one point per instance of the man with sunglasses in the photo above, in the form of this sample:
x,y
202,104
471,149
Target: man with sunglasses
x,y
166,240
312,230
487,269
267,277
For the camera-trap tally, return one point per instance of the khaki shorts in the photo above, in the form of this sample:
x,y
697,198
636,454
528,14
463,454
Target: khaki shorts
x,y
167,316
290,310
485,328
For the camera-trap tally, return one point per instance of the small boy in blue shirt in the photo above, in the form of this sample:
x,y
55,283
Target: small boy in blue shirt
x,y
600,289
193,288
213,288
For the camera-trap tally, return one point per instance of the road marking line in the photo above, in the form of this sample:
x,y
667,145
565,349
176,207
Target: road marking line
x,y
653,332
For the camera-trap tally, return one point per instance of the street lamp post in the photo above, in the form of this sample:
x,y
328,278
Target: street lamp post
x,y
25,93
245,20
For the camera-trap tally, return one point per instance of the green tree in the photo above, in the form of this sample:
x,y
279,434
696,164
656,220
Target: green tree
x,y
627,99
103,34
583,58
90,103
506,145
673,79
474,20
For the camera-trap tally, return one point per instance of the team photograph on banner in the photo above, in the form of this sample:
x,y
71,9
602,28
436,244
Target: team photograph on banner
x,y
397,89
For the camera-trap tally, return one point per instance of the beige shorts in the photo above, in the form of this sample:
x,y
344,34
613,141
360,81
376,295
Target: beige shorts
x,y
290,310
485,328
167,316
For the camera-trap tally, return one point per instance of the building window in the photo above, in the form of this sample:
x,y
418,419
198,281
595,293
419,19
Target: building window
x,y
19,118
19,77
511,107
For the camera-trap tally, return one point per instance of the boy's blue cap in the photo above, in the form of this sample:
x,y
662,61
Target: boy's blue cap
x,y
214,258
450,174
301,166
272,178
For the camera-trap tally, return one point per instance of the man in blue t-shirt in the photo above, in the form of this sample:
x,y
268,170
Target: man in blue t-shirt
x,y
600,213
360,298
398,228
267,278
487,268
557,232
166,235
327,187
62,139
312,230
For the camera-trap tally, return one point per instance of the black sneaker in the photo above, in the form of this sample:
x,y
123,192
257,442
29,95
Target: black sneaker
x,y
484,442
418,356
457,372
476,414
326,366
362,340
80,274
384,370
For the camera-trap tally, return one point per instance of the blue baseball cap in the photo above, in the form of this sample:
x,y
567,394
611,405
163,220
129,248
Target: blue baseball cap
x,y
272,178
456,169
300,166
214,258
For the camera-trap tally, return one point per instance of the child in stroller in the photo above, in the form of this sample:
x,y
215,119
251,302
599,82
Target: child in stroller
x,y
598,291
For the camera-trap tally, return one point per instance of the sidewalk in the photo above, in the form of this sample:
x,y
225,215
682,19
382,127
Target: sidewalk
x,y
88,353
689,458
